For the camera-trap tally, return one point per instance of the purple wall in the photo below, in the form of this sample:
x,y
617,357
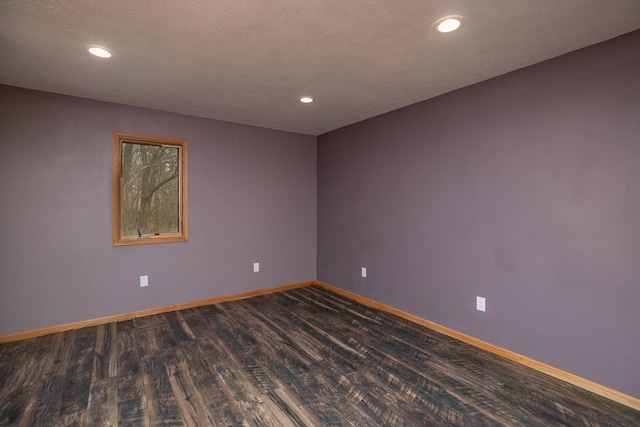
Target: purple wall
x,y
524,189
252,197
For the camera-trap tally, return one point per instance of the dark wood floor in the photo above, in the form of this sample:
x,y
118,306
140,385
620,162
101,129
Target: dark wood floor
x,y
301,357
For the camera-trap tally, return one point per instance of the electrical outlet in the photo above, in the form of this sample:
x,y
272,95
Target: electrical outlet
x,y
144,281
363,272
481,304
256,267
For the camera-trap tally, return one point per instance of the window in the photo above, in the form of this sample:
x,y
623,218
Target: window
x,y
149,190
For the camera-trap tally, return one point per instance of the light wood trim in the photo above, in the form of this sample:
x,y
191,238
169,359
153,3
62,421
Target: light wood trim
x,y
148,312
584,383
115,187
116,165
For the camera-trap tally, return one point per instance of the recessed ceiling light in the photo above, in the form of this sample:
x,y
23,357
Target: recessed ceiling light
x,y
306,99
448,24
99,51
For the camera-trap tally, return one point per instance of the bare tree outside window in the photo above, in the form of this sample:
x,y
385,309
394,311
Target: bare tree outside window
x,y
149,189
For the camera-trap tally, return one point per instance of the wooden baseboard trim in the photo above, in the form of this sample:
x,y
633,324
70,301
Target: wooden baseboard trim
x,y
148,312
584,383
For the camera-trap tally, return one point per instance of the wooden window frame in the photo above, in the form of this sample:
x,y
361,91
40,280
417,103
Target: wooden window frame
x,y
183,236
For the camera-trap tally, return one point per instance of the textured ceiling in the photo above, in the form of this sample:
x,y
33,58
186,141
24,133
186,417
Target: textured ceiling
x,y
249,61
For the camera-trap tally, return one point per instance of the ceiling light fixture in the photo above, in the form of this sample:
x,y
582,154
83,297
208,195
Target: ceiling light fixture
x,y
99,51
448,24
306,99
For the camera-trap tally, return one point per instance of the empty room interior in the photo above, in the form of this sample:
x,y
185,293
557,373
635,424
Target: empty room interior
x,y
377,222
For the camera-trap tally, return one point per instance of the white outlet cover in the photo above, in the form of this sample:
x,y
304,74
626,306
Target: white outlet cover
x,y
256,267
481,304
144,281
363,271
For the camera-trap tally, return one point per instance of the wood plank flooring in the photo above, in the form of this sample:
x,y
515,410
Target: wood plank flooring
x,y
303,357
